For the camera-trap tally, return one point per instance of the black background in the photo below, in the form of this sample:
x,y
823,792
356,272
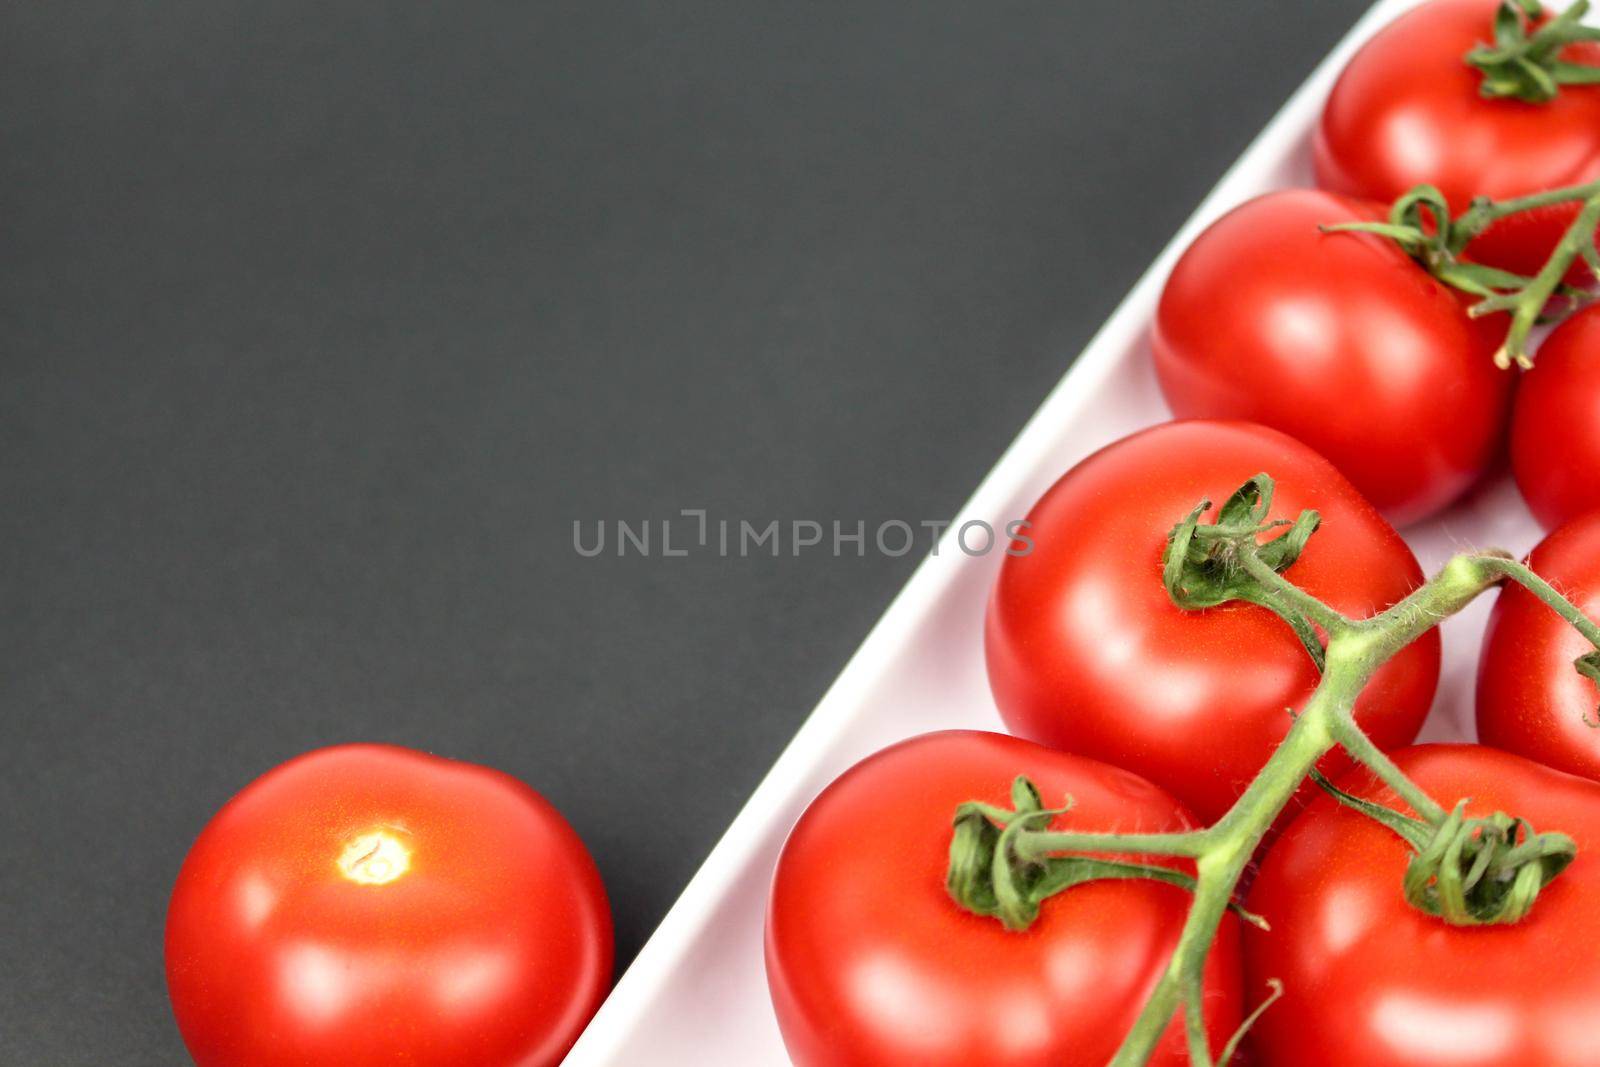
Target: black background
x,y
321,323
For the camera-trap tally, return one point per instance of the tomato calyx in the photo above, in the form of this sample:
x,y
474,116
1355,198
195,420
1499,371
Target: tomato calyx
x,y
1524,62
1002,866
1421,223
1469,871
1209,564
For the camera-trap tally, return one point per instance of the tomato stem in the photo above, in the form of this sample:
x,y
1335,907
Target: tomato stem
x,y
1233,842
1039,843
1587,665
1292,597
1354,654
1355,741
1484,212
1524,576
1528,304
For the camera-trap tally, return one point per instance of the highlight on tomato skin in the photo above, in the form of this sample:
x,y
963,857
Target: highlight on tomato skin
x,y
1087,652
1531,698
1555,428
367,905
870,963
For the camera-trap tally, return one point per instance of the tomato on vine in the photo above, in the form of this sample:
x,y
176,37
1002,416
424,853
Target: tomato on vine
x,y
1538,677
1467,96
367,905
1088,652
871,964
1555,424
1380,977
1340,340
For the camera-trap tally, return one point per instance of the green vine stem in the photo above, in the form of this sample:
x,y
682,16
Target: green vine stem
x,y
1525,61
1006,863
1587,664
1524,576
1420,222
1529,303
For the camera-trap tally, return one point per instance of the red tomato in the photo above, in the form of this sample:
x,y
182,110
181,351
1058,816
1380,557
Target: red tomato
x,y
1407,111
871,964
1531,700
1340,340
1087,652
1370,980
365,905
1555,428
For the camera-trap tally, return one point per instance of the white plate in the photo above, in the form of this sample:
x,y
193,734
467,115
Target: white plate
x,y
697,993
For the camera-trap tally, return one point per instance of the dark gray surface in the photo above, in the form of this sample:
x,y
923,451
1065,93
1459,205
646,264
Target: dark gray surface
x,y
319,324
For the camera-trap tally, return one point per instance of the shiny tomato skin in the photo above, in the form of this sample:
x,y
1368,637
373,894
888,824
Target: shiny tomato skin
x,y
1555,426
1407,111
1370,980
871,964
1340,340
1531,699
1087,653
491,948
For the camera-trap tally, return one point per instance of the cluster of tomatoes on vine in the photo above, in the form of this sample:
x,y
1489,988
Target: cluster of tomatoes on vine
x,y
1141,861
1361,342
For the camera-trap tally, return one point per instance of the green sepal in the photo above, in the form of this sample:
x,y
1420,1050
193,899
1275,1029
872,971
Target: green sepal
x,y
1526,66
1469,871
988,876
969,876
1588,665
1414,832
1201,567
1406,237
1025,798
1476,279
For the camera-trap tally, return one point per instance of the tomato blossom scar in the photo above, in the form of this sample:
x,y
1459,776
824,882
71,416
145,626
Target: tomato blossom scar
x,y
375,858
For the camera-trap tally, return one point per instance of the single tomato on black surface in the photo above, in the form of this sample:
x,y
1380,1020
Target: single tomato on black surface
x,y
367,905
1339,339
1087,652
871,963
1371,979
1555,428
1409,110
1532,699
